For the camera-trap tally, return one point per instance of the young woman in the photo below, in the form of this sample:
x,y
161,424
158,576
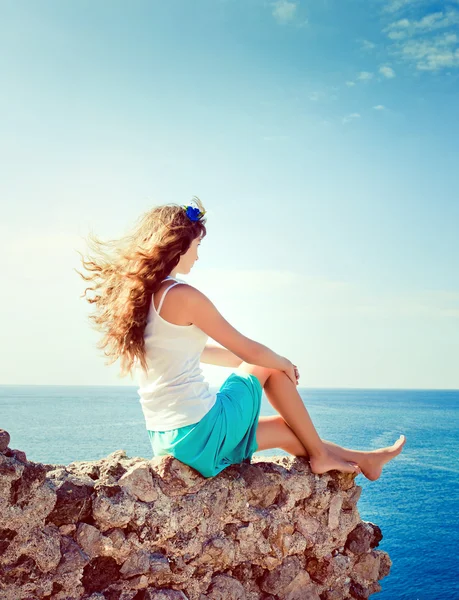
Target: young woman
x,y
158,326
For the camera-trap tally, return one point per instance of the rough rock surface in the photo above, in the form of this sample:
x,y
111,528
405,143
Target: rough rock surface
x,y
131,529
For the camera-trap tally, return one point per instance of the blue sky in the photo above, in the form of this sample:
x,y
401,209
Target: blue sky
x,y
322,137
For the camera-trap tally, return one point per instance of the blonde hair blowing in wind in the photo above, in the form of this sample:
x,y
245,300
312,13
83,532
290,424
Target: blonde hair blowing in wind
x,y
124,273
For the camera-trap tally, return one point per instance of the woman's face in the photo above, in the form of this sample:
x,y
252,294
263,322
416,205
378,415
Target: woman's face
x,y
188,259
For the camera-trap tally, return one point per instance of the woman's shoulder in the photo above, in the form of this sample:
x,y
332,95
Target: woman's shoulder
x,y
185,287
188,298
173,303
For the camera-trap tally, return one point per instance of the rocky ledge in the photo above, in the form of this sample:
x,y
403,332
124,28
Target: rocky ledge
x,y
124,528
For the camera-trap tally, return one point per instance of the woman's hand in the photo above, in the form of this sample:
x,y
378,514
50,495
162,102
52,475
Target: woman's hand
x,y
292,372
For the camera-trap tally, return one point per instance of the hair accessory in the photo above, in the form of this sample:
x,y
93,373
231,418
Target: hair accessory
x,y
193,213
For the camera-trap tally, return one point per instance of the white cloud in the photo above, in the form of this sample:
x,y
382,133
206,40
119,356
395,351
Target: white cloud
x,y
397,5
396,35
438,20
350,118
365,75
350,83
367,45
416,41
387,72
401,24
379,107
433,54
405,28
284,11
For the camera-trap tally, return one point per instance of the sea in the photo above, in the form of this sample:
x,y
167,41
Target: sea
x,y
415,501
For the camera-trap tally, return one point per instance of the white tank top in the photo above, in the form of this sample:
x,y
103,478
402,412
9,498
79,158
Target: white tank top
x,y
174,392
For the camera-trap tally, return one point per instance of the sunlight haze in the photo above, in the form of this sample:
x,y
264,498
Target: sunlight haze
x,y
321,137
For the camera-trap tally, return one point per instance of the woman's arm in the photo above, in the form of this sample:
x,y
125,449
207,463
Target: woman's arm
x,y
221,357
202,312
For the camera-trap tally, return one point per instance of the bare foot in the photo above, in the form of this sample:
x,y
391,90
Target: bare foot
x,y
373,463
331,462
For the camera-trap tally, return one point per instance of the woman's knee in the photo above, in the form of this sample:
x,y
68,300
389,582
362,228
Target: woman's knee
x,y
262,373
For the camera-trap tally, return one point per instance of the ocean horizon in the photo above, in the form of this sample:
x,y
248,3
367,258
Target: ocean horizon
x,y
414,502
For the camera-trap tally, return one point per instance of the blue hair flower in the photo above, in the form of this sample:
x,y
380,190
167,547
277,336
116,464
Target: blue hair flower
x,y
194,214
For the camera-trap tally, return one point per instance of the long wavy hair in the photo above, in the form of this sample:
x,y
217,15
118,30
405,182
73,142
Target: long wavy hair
x,y
124,273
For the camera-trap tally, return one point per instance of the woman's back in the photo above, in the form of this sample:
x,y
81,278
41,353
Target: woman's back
x,y
173,393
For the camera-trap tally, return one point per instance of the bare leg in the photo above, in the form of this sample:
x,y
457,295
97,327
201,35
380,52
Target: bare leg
x,y
284,397
371,463
274,432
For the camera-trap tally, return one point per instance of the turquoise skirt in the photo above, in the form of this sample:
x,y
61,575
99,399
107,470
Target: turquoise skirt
x,y
225,436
